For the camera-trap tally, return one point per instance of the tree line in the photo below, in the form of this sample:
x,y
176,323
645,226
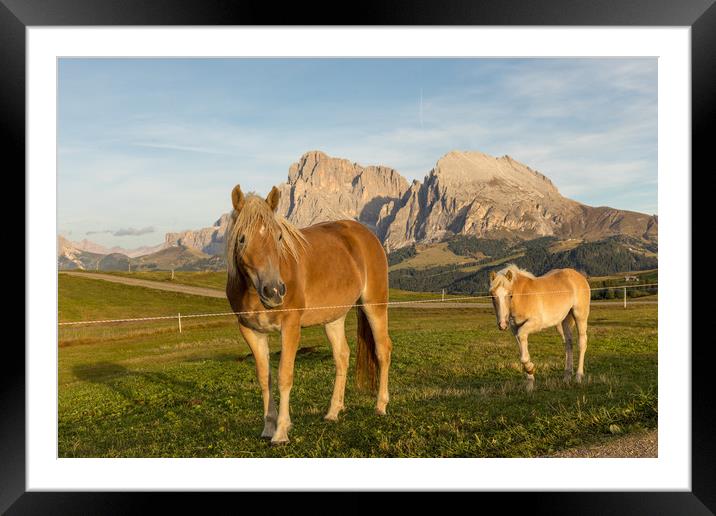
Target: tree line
x,y
600,258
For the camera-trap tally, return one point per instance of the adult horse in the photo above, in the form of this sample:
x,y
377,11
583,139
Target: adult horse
x,y
286,279
528,304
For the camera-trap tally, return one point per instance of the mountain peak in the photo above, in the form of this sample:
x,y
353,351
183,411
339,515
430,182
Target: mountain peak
x,y
322,188
505,173
466,193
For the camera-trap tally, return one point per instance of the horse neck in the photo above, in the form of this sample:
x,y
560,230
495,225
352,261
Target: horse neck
x,y
521,283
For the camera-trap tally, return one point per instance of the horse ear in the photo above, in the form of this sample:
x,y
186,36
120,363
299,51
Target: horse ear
x,y
237,198
492,275
273,197
508,275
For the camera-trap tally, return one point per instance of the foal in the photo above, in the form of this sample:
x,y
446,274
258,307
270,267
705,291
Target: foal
x,y
528,304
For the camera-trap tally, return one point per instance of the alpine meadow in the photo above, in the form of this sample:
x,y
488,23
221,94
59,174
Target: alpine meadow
x,y
357,258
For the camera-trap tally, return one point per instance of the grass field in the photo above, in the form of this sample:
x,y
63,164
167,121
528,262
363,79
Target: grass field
x,y
430,256
146,390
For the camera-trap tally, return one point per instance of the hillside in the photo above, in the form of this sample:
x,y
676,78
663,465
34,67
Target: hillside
x,y
175,257
594,259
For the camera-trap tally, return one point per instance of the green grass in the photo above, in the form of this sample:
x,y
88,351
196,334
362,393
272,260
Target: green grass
x,y
431,256
146,390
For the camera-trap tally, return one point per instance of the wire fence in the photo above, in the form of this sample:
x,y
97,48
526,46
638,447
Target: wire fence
x,y
442,300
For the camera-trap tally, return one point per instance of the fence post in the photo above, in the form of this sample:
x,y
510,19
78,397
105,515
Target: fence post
x,y
179,317
624,297
443,296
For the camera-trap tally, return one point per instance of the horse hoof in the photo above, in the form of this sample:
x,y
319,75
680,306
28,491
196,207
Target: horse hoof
x,y
280,442
331,417
381,412
579,378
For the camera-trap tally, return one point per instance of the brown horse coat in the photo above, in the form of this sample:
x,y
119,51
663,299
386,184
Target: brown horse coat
x,y
296,278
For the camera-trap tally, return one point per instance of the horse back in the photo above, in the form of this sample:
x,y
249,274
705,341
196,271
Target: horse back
x,y
551,295
343,261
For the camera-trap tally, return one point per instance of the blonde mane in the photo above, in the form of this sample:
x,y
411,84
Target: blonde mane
x,y
254,214
515,270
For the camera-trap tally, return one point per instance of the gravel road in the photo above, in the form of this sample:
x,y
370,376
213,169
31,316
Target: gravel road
x,y
638,444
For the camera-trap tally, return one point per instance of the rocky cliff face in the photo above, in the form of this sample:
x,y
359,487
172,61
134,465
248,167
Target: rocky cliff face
x,y
321,188
466,193
476,194
207,240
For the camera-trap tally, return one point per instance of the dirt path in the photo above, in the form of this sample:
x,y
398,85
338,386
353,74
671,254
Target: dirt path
x,y
159,285
639,444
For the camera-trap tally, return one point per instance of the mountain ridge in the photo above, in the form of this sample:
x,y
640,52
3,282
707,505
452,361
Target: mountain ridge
x,y
466,193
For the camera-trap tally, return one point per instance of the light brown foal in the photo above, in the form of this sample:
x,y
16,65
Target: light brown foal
x,y
527,304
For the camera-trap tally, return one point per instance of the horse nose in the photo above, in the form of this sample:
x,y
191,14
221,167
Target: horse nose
x,y
274,290
503,325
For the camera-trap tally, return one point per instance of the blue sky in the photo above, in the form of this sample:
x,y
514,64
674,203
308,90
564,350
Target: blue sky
x,y
148,146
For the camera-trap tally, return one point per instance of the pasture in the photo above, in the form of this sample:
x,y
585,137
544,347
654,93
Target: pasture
x,y
145,390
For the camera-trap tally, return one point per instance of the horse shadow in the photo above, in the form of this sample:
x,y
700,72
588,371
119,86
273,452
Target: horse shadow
x,y
114,376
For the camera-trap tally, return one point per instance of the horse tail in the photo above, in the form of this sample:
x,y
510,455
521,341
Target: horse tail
x,y
366,358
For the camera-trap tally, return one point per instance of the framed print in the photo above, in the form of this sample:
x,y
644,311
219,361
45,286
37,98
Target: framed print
x,y
305,258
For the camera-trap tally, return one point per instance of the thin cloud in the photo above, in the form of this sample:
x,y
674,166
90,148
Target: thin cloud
x,y
124,231
133,231
179,147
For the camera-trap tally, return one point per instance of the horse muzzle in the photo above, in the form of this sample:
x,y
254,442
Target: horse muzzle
x,y
272,294
502,325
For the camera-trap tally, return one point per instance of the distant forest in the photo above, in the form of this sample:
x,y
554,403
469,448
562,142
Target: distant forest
x,y
600,258
401,254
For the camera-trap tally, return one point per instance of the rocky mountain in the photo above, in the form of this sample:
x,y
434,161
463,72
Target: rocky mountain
x,y
322,188
319,188
93,247
465,194
70,257
207,240
471,193
177,257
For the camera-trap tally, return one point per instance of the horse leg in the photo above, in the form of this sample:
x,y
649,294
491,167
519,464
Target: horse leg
x,y
527,366
565,329
290,335
336,333
258,342
580,317
378,319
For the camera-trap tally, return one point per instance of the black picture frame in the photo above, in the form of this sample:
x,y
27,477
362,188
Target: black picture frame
x,y
17,15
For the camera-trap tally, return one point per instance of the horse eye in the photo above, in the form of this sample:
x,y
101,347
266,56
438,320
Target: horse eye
x,y
242,239
280,237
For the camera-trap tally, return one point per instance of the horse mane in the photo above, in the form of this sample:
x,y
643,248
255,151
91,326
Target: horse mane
x,y
254,214
516,270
